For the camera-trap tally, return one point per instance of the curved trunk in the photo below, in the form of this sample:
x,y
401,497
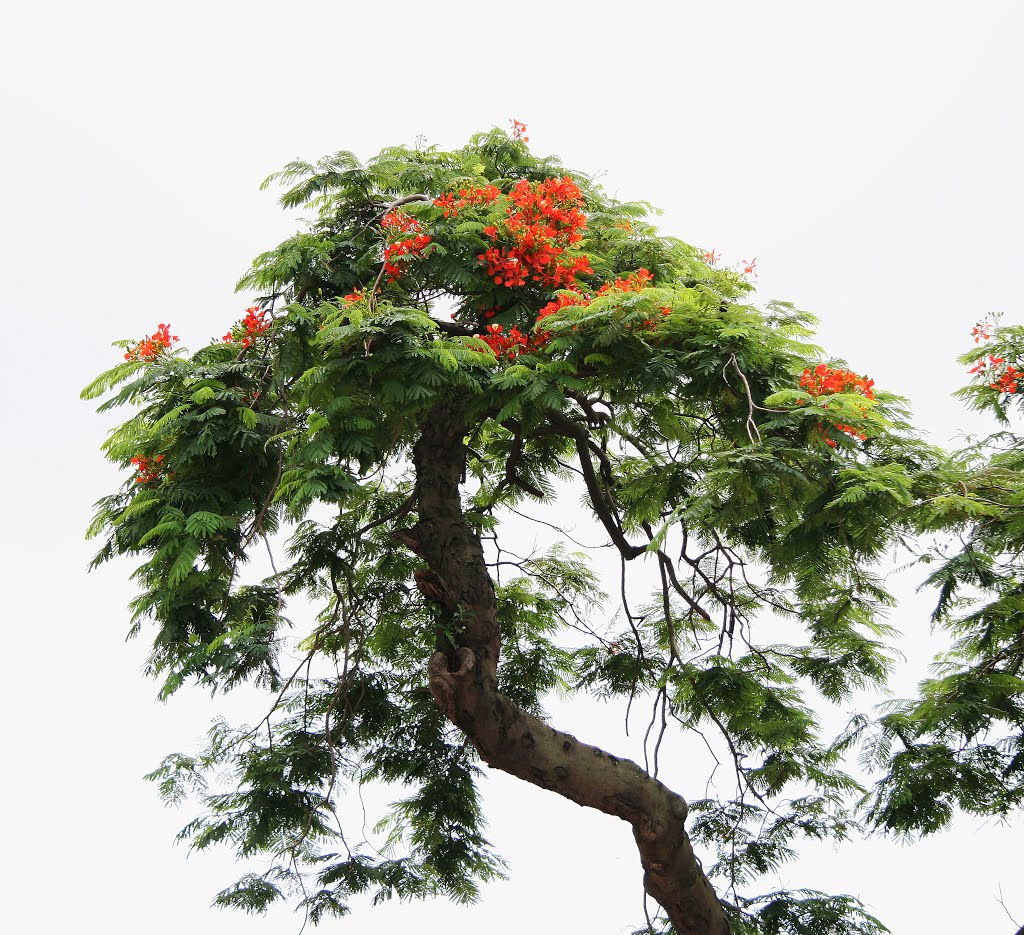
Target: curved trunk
x,y
463,681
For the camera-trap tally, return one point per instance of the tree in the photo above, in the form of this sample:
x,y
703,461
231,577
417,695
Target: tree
x,y
456,337
961,743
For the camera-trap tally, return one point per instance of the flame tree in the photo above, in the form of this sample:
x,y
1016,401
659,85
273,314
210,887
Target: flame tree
x,y
454,339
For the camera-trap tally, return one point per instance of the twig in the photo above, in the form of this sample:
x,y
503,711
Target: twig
x,y
752,429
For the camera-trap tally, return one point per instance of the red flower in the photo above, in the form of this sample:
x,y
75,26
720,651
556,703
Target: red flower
x,y
543,222
633,282
991,369
1006,382
508,344
824,381
482,195
518,129
447,204
514,342
399,222
150,348
147,469
249,328
396,255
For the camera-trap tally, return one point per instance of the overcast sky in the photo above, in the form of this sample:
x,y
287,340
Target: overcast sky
x,y
869,155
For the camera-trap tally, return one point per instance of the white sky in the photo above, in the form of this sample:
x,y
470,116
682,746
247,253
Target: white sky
x,y
867,154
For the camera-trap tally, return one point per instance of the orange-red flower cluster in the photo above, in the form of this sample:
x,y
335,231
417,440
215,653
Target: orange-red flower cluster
x,y
564,300
634,282
518,129
399,222
824,381
250,327
451,206
1002,378
148,469
710,257
982,364
848,429
1006,382
396,254
544,220
514,342
508,344
151,347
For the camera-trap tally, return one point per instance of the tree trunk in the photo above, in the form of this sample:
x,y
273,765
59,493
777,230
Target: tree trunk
x,y
463,682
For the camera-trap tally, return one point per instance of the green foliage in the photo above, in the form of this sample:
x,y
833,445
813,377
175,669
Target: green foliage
x,y
960,744
805,912
674,407
793,912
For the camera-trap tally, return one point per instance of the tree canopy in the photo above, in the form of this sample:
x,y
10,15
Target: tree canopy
x,y
457,342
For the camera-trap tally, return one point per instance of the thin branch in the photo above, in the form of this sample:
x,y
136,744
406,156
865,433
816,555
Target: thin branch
x,y
542,522
398,203
752,429
599,495
404,507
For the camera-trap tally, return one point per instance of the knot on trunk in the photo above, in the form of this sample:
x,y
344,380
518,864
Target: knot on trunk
x,y
433,587
410,538
443,681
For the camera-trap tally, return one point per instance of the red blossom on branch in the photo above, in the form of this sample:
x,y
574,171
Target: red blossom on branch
x,y
148,469
518,130
544,220
1006,382
151,347
996,372
399,222
514,342
982,364
249,328
398,253
824,381
482,195
632,282
508,344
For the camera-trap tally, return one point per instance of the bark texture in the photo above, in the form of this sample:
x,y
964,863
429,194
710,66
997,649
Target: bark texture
x,y
463,682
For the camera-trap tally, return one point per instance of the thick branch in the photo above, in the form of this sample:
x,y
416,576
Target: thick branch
x,y
599,497
454,329
516,742
463,682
